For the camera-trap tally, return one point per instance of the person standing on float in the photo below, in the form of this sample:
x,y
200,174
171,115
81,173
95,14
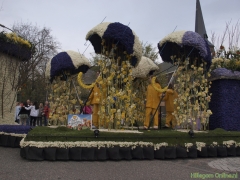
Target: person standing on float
x,y
169,98
94,99
152,101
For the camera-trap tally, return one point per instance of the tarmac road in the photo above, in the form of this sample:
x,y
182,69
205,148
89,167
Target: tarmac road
x,y
12,167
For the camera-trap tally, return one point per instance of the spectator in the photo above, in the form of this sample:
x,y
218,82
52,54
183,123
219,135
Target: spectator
x,y
28,112
17,110
23,114
34,110
40,115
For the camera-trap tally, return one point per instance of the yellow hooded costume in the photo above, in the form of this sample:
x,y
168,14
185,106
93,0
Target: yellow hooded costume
x,y
169,103
94,99
153,99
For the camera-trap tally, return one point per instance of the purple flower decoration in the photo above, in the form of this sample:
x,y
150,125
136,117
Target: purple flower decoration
x,y
70,61
186,43
15,50
17,129
116,33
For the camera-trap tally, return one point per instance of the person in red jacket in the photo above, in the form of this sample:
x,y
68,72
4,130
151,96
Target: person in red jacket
x,y
46,111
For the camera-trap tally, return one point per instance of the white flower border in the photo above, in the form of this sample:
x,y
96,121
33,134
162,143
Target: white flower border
x,y
13,134
110,144
88,144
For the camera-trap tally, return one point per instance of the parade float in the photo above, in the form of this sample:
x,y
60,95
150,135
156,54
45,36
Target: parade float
x,y
121,81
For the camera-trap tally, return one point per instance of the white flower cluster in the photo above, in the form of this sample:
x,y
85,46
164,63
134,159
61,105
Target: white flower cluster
x,y
144,67
188,145
175,37
78,59
13,134
137,48
214,144
159,145
141,144
99,30
87,144
229,143
200,145
110,144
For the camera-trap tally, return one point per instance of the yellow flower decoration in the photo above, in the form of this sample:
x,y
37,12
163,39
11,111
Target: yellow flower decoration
x,y
153,81
18,39
82,84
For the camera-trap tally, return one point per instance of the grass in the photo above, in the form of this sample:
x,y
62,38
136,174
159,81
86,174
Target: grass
x,y
155,136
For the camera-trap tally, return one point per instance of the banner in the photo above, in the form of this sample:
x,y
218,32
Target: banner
x,y
80,121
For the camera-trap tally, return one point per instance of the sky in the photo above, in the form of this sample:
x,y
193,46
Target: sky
x,y
151,20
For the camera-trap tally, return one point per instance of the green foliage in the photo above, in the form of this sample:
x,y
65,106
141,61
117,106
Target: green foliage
x,y
149,51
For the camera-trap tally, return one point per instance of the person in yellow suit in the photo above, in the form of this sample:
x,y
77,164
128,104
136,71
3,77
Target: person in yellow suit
x,y
152,101
169,98
94,99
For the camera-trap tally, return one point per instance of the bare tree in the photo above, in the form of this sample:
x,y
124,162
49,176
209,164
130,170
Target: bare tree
x,y
229,39
32,72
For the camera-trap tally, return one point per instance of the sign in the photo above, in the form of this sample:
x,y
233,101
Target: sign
x,y
80,121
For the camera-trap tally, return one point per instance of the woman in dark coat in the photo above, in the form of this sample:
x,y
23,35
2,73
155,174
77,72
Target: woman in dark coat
x,y
23,114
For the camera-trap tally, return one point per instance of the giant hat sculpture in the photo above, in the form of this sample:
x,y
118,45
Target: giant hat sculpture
x,y
69,62
106,35
185,43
